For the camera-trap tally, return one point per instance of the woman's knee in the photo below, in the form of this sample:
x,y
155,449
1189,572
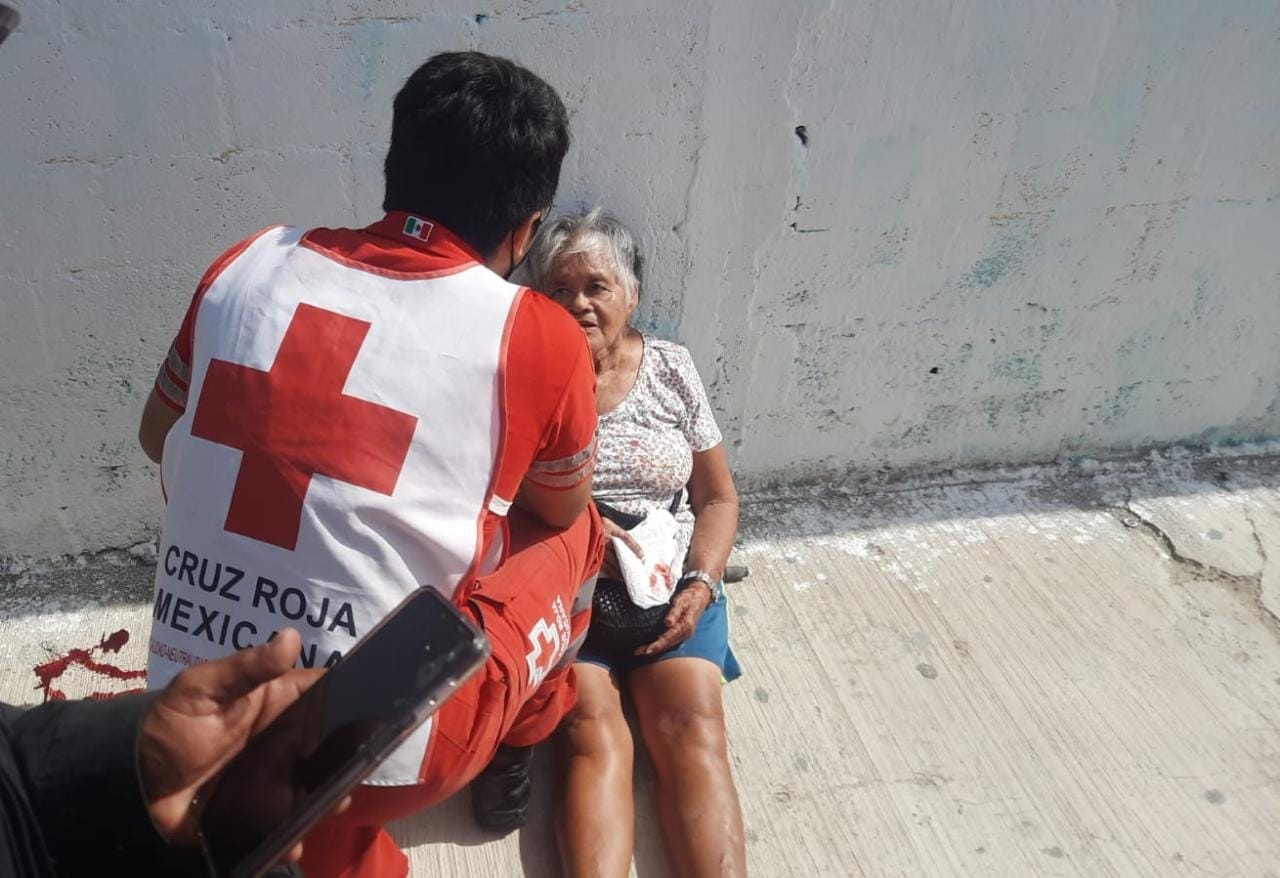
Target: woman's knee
x,y
596,731
686,731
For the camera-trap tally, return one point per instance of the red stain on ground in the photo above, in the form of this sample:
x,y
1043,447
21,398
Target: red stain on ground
x,y
114,642
49,672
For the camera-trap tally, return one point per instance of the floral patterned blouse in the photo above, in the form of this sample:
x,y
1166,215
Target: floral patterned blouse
x,y
646,443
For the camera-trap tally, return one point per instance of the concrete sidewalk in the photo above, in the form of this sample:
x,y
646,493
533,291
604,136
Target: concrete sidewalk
x,y
1063,673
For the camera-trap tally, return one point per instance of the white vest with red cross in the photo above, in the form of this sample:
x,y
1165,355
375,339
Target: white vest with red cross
x,y
336,452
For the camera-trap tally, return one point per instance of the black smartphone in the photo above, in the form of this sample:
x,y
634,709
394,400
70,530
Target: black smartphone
x,y
297,769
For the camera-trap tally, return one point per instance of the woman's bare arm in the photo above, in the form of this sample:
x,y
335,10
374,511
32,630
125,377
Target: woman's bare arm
x,y
715,526
715,511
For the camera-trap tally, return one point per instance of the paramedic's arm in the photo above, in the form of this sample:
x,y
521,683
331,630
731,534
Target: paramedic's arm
x,y
557,508
168,399
557,487
157,418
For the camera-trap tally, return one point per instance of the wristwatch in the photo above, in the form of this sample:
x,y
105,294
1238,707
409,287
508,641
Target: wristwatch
x,y
706,579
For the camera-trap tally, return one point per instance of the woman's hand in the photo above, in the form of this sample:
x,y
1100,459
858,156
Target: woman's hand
x,y
687,608
715,522
610,568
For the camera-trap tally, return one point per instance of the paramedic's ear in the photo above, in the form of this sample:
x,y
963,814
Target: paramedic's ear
x,y
515,246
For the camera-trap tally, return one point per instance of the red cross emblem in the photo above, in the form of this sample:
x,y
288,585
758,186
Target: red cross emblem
x,y
294,422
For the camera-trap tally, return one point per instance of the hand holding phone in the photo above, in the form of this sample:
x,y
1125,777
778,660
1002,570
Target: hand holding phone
x,y
305,762
207,714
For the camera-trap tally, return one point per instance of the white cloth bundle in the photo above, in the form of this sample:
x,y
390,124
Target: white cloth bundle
x,y
651,582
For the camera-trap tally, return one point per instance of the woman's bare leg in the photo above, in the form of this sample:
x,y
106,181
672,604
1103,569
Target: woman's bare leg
x,y
682,719
595,820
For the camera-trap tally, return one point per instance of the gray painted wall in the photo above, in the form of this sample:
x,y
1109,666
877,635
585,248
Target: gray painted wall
x,y
1016,230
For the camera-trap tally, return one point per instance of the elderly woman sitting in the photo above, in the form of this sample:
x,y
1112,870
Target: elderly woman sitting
x,y
659,449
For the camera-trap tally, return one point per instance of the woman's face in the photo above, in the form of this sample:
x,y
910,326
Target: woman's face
x,y
586,285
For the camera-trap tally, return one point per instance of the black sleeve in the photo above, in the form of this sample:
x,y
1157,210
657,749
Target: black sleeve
x,y
79,763
22,848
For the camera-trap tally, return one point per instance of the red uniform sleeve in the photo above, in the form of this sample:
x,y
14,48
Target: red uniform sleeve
x,y
174,378
550,400
567,454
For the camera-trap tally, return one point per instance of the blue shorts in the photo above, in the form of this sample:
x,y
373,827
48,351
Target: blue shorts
x,y
710,641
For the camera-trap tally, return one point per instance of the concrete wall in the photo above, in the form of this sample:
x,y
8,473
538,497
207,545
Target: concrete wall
x,y
897,234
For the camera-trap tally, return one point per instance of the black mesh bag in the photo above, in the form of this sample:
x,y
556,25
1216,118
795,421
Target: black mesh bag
x,y
617,624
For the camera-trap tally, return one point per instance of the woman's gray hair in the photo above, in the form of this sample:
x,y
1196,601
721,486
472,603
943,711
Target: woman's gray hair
x,y
597,234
